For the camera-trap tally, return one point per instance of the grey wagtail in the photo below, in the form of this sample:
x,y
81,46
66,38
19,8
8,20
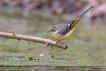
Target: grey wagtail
x,y
64,31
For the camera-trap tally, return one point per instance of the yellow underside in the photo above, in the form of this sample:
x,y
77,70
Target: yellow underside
x,y
66,36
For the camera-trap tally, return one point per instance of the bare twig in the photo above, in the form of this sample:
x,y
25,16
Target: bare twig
x,y
31,38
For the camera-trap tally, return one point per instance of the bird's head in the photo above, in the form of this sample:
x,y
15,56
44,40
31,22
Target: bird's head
x,y
52,29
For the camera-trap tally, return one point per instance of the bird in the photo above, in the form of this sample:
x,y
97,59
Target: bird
x,y
63,31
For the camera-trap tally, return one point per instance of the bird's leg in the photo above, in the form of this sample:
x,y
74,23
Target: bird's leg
x,y
61,42
66,41
58,42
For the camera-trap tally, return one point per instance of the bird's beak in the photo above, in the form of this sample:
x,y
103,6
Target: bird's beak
x,y
50,30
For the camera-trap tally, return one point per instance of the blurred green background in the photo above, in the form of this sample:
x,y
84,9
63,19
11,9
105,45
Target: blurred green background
x,y
34,17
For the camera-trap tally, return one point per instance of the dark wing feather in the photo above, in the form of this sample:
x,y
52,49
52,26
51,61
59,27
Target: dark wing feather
x,y
70,25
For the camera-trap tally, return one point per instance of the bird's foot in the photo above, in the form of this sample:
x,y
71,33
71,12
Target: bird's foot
x,y
59,42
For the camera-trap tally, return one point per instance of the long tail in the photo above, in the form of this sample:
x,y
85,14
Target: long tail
x,y
86,11
77,19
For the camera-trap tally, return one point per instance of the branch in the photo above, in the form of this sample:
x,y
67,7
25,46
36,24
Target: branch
x,y
31,38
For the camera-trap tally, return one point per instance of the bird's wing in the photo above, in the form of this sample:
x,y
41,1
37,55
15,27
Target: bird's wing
x,y
65,28
61,29
70,25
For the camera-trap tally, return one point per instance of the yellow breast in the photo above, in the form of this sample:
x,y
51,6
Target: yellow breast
x,y
57,36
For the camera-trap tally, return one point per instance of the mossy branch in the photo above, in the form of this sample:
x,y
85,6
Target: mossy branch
x,y
34,39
